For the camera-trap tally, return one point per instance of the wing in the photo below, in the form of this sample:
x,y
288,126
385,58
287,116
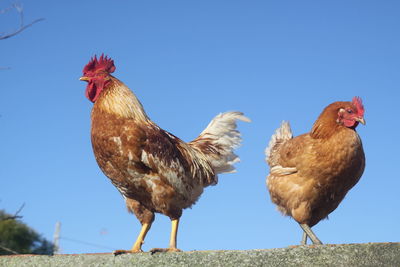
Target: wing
x,y
166,156
287,184
162,154
291,155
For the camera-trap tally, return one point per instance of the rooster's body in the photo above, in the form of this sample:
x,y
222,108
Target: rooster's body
x,y
154,170
312,173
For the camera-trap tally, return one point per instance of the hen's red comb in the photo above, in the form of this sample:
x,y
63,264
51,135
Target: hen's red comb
x,y
103,63
359,105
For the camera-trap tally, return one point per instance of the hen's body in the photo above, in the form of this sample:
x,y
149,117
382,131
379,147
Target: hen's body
x,y
312,173
154,170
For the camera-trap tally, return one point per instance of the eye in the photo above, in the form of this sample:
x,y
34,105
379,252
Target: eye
x,y
350,111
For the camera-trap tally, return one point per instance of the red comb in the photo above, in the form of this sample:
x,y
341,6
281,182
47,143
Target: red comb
x,y
359,105
103,63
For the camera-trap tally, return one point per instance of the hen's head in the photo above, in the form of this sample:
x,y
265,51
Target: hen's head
x,y
97,74
338,114
349,114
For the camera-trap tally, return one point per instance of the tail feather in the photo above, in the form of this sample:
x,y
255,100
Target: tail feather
x,y
219,139
281,135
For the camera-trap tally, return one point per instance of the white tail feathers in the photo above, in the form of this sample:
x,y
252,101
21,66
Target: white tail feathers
x,y
219,139
282,134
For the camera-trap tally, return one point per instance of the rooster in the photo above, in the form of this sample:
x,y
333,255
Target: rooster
x,y
312,173
154,170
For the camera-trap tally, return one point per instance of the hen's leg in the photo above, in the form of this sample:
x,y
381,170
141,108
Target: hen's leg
x,y
172,240
304,239
146,218
310,234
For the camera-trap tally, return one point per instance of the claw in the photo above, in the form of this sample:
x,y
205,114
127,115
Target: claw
x,y
156,250
121,251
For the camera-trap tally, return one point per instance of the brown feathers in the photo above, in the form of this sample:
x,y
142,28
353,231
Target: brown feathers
x,y
311,174
154,170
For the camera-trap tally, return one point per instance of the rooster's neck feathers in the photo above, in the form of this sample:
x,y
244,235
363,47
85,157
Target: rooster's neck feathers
x,y
119,100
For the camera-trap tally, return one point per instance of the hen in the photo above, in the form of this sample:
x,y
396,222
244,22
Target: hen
x,y
312,173
154,170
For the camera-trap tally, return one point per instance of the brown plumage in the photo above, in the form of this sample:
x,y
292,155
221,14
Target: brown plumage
x,y
154,170
312,173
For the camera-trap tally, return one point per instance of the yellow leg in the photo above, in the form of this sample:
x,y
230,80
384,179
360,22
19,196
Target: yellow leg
x,y
174,234
172,240
137,247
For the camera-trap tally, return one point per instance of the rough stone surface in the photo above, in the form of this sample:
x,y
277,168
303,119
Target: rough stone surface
x,y
369,254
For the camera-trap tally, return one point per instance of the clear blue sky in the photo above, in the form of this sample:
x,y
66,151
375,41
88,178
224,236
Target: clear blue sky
x,y
188,61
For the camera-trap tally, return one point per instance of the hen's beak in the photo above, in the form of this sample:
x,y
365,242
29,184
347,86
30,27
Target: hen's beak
x,y
361,120
84,78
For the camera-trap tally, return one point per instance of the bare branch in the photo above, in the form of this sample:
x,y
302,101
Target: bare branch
x,y
20,29
19,210
19,8
5,10
15,216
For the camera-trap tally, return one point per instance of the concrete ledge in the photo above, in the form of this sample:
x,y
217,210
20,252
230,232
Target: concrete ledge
x,y
369,254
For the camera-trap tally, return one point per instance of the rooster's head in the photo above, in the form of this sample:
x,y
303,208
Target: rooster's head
x,y
97,74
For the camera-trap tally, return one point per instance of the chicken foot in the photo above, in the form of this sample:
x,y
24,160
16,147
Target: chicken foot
x,y
308,232
172,241
137,247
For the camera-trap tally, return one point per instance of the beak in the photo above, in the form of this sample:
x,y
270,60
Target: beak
x,y
361,120
84,78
